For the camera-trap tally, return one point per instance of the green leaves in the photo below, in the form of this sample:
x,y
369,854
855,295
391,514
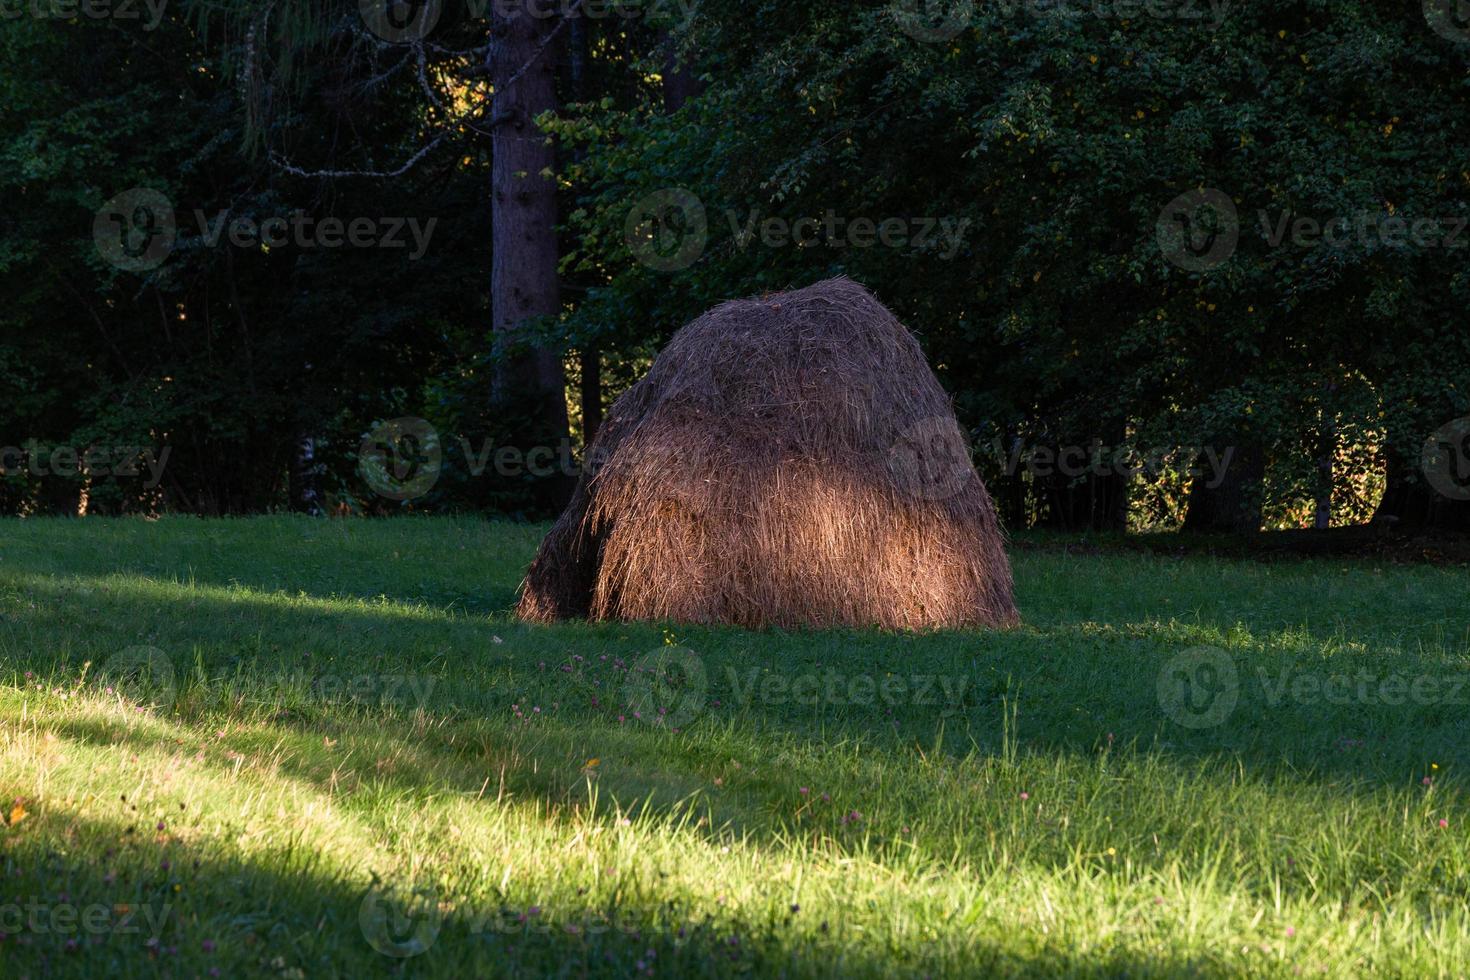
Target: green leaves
x,y
1060,138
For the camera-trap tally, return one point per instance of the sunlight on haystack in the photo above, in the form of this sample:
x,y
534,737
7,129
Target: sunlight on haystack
x,y
787,461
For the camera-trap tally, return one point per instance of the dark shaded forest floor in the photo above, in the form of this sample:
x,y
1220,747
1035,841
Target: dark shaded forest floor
x,y
1367,542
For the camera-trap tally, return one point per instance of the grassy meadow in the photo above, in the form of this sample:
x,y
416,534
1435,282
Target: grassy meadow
x,y
291,748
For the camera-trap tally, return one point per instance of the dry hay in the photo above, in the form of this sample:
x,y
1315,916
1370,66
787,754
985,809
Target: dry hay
x,y
787,461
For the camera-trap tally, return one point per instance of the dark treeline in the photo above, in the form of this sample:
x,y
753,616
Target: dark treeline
x,y
1178,263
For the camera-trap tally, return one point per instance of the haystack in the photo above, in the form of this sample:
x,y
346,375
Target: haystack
x,y
787,461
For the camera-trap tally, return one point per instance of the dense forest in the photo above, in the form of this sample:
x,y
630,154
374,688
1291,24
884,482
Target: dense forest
x,y
1178,263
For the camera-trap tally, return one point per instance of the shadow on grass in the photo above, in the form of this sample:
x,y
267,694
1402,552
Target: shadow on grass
x,y
655,776
122,901
468,565
1068,689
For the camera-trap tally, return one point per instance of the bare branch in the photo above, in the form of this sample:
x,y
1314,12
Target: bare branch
x,y
452,124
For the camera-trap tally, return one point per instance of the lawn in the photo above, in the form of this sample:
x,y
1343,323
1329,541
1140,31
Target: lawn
x,y
294,748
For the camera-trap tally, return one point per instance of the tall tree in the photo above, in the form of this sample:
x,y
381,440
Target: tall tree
x,y
523,280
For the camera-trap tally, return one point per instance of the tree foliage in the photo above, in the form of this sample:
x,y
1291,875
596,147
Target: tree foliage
x,y
1049,138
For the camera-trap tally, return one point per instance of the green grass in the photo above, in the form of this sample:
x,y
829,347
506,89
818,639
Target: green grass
x,y
359,746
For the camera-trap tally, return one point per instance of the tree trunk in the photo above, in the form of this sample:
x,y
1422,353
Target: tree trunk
x,y
59,496
1326,452
1228,501
1083,487
305,477
529,380
680,82
1411,503
1007,487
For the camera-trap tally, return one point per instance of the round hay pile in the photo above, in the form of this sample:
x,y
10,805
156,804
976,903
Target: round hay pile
x,y
788,461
